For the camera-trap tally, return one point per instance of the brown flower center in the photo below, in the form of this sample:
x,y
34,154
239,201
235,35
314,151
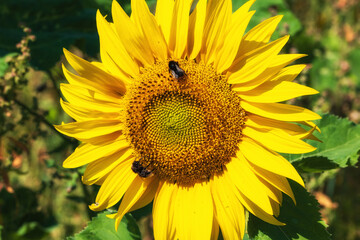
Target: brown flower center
x,y
184,122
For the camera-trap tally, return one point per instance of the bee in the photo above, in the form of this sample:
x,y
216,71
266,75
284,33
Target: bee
x,y
140,170
177,72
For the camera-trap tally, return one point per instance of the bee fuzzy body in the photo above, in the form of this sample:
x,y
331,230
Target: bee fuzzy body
x,y
140,170
177,72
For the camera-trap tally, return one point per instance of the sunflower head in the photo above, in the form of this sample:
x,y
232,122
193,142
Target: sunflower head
x,y
184,110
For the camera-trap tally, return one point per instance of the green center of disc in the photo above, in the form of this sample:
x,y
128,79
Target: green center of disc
x,y
175,120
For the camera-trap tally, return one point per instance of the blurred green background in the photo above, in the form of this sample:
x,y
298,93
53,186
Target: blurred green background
x,y
41,200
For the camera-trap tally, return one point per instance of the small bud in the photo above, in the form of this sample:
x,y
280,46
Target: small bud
x,y
27,30
31,37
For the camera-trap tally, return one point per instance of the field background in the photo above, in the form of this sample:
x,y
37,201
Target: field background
x,y
41,200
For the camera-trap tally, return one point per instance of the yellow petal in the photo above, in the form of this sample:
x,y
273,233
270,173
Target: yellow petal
x,y
113,90
179,27
196,29
163,211
87,153
136,190
271,92
270,124
239,22
229,211
268,160
82,113
148,196
114,187
131,37
251,67
289,73
193,214
256,210
248,183
92,72
259,35
114,53
278,111
79,96
103,166
274,194
164,16
215,230
275,180
274,69
278,140
150,28
90,129
218,16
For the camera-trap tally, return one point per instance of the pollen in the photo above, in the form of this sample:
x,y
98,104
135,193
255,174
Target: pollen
x,y
183,130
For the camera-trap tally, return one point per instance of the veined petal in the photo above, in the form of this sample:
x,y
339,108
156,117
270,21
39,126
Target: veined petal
x,y
275,180
275,91
257,211
103,166
92,72
164,16
278,141
179,27
251,67
259,35
269,124
114,52
239,22
193,213
114,186
87,153
247,183
148,196
196,29
90,129
114,91
229,211
79,96
268,160
289,73
274,69
131,37
218,16
274,194
135,191
163,211
83,114
279,111
215,230
150,28
287,127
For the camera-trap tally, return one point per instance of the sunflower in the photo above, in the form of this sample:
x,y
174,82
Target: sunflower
x,y
184,110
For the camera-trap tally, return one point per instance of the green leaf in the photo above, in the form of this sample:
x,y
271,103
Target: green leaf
x,y
340,146
354,59
102,227
3,64
303,220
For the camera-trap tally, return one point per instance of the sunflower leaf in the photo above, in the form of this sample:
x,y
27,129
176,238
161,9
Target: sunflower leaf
x,y
303,220
102,227
340,147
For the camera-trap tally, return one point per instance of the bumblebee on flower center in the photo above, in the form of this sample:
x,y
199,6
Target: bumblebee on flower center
x,y
183,121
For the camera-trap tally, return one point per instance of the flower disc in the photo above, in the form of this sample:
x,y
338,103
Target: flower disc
x,y
183,129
